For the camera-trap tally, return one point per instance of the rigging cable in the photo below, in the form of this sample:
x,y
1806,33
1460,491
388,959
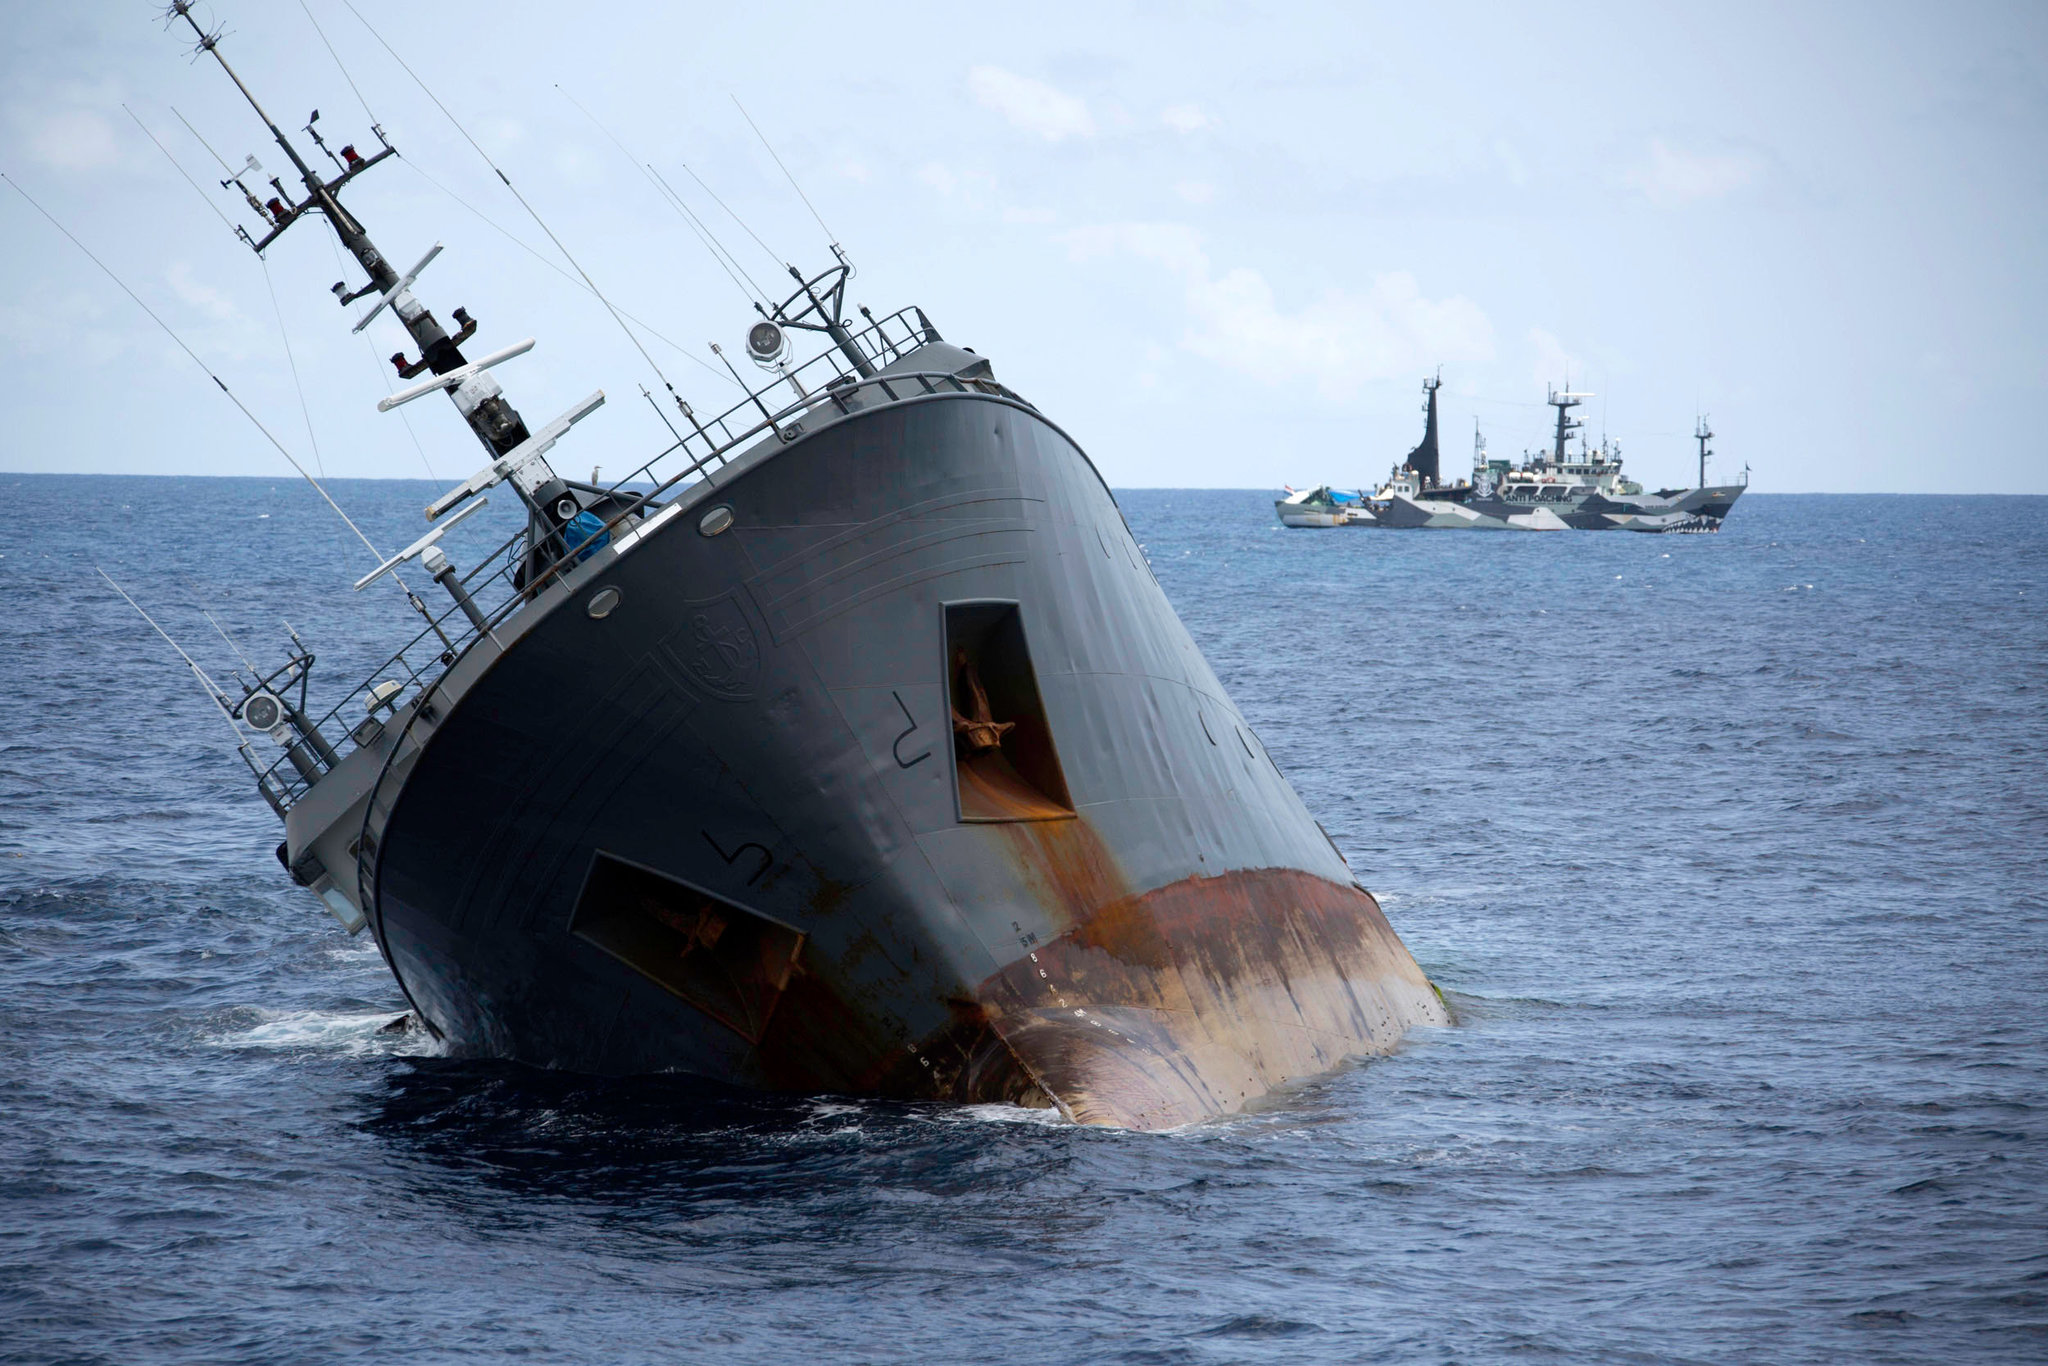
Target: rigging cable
x,y
703,236
254,672
773,255
338,64
751,289
202,141
291,360
318,462
785,170
218,382
526,247
213,690
524,205
376,362
180,169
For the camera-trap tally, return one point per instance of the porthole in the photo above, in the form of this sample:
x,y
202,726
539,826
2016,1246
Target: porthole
x,y
603,603
716,521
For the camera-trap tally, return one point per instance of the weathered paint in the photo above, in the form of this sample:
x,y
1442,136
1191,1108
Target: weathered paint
x,y
1169,936
1194,999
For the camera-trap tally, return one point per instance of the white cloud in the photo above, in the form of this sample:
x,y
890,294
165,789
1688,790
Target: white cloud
x,y
1340,341
1185,118
1673,176
73,140
1196,191
200,295
225,330
976,190
1030,105
979,193
1554,365
1511,163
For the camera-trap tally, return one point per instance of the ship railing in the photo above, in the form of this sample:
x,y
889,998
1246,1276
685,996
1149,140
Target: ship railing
x,y
510,576
414,667
778,404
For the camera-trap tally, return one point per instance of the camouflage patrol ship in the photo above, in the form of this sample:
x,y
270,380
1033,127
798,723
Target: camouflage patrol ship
x,y
846,744
1555,491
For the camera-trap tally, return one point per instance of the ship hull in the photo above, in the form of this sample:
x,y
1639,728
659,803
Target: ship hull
x,y
1301,515
725,828
1692,510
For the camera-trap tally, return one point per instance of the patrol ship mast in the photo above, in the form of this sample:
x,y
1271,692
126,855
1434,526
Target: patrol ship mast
x,y
1548,491
845,744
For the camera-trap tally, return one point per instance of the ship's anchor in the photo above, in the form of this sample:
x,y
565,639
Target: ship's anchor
x,y
981,731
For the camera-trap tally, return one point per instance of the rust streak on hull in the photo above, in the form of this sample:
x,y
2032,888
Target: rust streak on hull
x,y
1194,999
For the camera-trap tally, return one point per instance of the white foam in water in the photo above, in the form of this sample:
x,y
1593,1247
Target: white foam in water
x,y
1006,1114
352,1033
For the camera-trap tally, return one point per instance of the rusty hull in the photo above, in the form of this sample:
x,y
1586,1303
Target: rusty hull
x,y
1143,925
1184,1002
1156,1010
1195,999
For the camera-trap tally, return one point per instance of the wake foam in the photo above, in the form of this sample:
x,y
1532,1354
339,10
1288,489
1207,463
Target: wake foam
x,y
354,1033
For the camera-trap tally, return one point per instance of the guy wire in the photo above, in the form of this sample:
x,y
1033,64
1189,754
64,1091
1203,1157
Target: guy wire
x,y
290,359
221,631
772,254
538,220
711,244
180,169
338,63
376,362
703,231
311,436
218,382
202,141
785,170
519,242
213,691
726,260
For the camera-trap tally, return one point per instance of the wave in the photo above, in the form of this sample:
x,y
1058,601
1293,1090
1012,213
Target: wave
x,y
346,1033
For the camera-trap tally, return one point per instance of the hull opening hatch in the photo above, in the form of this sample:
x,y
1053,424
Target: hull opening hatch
x,y
729,962
1004,764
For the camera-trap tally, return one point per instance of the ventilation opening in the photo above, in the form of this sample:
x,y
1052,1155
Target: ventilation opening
x,y
1003,758
727,961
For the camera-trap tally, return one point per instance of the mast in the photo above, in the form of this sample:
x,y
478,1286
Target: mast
x,y
1564,401
1423,459
1703,434
482,404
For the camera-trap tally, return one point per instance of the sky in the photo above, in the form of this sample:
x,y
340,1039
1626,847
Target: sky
x,y
1219,245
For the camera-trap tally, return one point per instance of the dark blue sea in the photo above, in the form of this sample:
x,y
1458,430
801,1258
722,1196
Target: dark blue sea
x,y
1730,852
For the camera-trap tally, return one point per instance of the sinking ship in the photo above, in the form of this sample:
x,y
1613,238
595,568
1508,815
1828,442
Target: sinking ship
x,y
846,744
1557,490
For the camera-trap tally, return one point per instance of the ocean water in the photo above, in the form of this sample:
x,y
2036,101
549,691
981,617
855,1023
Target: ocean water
x,y
1731,853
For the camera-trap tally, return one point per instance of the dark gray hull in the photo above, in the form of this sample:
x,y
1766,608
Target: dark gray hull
x,y
763,722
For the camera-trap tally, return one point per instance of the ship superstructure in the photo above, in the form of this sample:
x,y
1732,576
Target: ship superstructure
x,y
1560,489
847,743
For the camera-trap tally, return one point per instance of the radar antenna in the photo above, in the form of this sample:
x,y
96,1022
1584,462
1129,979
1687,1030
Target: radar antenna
x,y
517,453
1564,400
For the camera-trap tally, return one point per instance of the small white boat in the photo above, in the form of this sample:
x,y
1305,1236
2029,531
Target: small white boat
x,y
1320,506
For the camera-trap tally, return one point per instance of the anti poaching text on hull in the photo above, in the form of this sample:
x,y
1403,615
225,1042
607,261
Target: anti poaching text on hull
x,y
847,744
